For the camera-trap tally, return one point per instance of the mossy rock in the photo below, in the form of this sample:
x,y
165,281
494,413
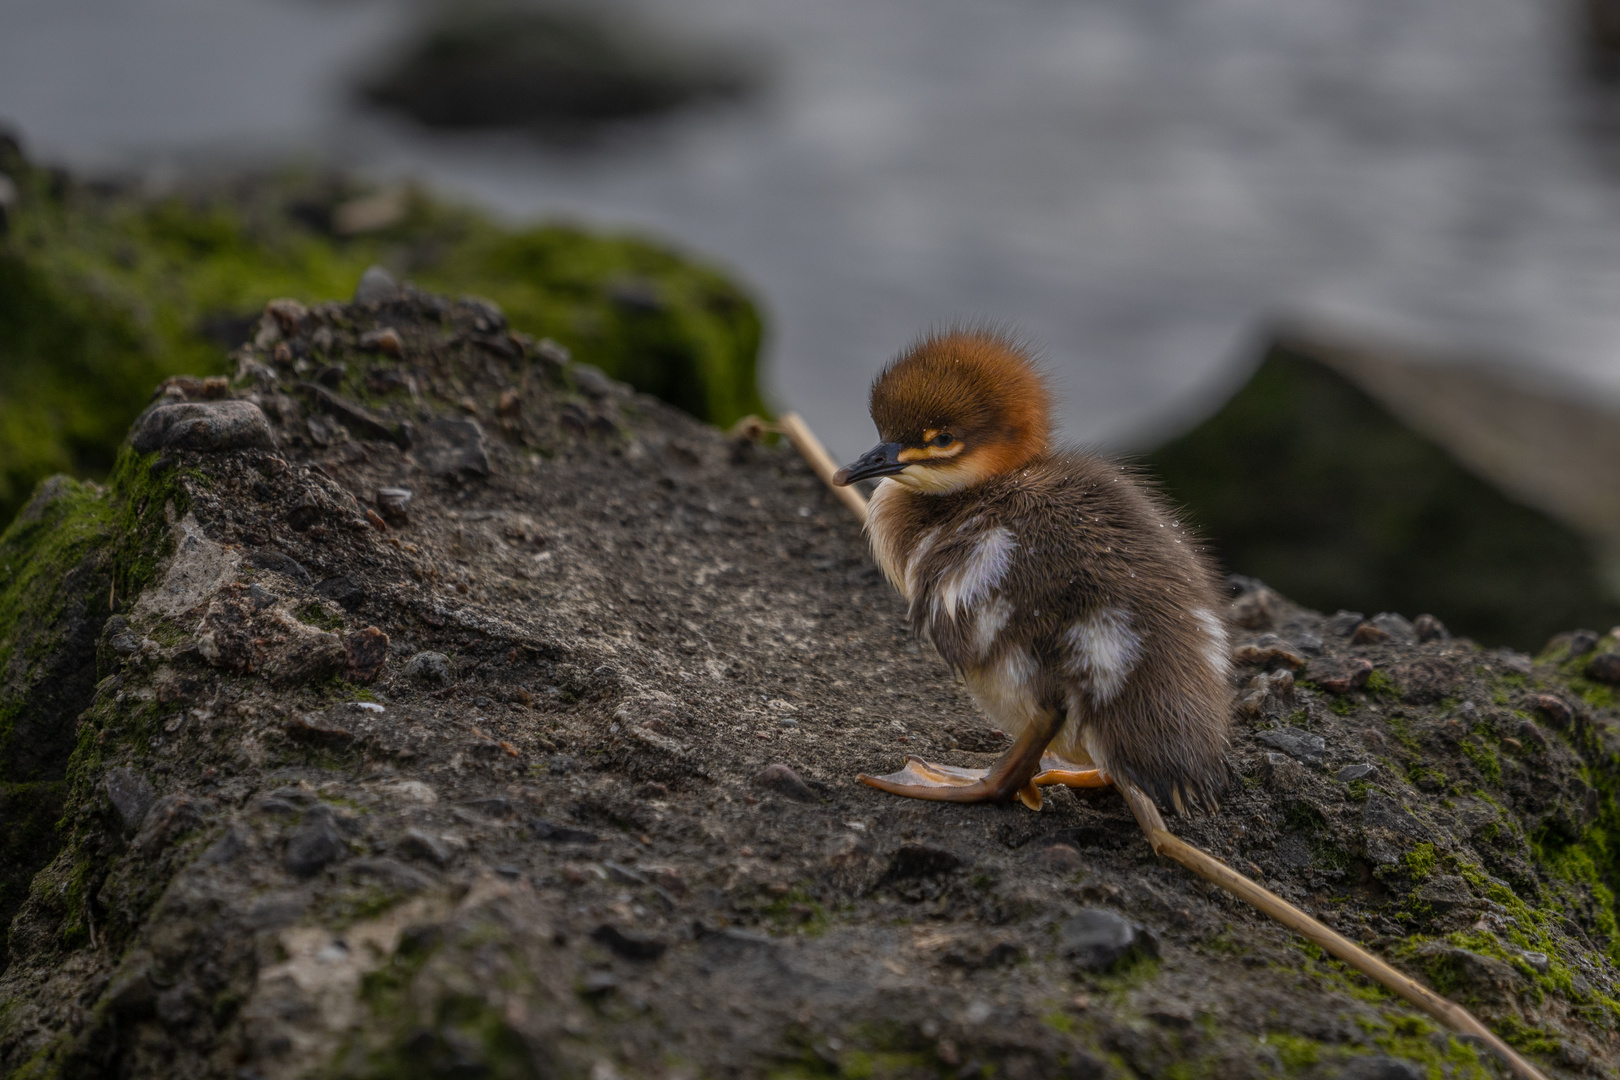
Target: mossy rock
x,y
104,292
1304,481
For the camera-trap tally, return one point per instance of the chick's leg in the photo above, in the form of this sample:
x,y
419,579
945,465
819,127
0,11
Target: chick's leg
x,y
1010,777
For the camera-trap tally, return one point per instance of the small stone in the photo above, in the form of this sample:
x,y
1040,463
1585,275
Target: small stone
x,y
209,427
289,315
367,651
1582,642
1429,628
1098,940
1538,961
376,286
131,796
1296,743
275,561
1269,650
1517,663
1339,675
1344,623
455,448
429,669
510,404
1396,627
314,843
395,503
1368,634
422,846
1282,773
553,354
1554,709
592,381
1308,643
560,834
1062,858
631,948
1604,668
1360,771
383,340
782,780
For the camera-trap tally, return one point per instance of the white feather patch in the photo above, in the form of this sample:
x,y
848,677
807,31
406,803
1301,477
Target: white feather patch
x,y
992,619
1216,649
880,529
1104,650
973,579
908,581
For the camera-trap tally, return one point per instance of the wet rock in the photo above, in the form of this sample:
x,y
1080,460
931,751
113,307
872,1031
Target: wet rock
x,y
1099,940
286,565
454,448
1604,668
131,796
376,286
367,653
429,669
1298,744
1429,628
1339,675
782,780
315,843
207,427
1362,771
631,948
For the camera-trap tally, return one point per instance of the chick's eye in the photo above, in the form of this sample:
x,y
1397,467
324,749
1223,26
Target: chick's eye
x,y
944,438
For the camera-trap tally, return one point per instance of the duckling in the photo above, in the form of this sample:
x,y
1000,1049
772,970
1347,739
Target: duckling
x,y
1060,586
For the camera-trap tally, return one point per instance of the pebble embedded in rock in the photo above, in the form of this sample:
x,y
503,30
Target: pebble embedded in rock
x,y
1604,668
1582,642
1368,634
454,448
1270,650
1098,940
1538,960
429,669
384,340
782,780
1396,627
368,652
210,427
592,381
1429,628
1339,675
1554,708
1062,858
416,844
275,561
376,286
1344,623
1282,773
631,948
1352,773
315,843
1296,743
395,503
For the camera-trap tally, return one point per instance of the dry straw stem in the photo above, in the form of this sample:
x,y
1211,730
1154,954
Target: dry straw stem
x,y
1212,869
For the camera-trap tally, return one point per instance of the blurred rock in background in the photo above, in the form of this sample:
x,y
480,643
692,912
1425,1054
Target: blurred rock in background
x,y
1357,477
106,289
558,71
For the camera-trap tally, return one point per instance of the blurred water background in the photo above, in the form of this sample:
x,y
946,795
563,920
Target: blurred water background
x,y
1140,185
1408,209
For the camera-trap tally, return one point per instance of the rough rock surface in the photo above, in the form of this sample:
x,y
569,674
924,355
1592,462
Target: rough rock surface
x,y
546,769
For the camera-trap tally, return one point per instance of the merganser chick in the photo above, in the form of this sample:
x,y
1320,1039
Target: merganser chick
x,y
1060,586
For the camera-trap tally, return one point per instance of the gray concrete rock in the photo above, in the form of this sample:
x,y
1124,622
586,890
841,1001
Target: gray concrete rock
x,y
206,426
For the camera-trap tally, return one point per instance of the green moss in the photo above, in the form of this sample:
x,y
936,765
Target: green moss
x,y
1382,685
1295,1052
103,295
1356,790
1415,1040
1343,705
315,614
1484,757
1419,862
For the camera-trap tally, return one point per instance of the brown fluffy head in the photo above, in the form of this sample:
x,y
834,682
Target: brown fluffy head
x,y
963,406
